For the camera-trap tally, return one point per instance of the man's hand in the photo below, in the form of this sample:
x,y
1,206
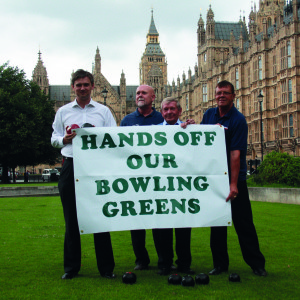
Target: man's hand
x,y
188,122
233,192
68,138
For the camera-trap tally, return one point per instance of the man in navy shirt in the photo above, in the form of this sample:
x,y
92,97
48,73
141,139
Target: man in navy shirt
x,y
236,131
145,114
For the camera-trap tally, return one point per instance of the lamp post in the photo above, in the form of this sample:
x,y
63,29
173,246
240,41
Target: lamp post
x,y
104,93
260,100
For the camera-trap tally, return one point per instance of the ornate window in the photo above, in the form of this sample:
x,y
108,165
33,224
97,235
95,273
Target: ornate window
x,y
285,126
255,70
237,79
291,129
283,92
290,91
275,97
282,57
259,68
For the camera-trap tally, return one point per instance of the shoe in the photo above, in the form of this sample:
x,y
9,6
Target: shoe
x,y
217,271
140,267
109,275
260,272
186,271
164,271
69,275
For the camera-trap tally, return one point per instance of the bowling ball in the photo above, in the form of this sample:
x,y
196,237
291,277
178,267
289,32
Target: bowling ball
x,y
175,279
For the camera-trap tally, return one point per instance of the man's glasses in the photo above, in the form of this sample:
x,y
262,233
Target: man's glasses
x,y
224,93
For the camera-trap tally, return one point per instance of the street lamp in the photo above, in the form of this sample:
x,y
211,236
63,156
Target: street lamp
x,y
260,98
104,93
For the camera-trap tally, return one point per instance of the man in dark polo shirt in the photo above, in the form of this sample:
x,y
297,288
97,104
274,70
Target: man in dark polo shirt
x,y
145,114
236,132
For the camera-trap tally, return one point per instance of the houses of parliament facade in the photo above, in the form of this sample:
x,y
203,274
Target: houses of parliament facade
x,y
261,59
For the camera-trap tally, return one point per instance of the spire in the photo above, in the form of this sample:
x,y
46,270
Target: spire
x,y
152,28
201,22
39,75
97,69
210,15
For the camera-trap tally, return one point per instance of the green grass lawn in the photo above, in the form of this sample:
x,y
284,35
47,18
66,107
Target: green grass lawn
x,y
31,251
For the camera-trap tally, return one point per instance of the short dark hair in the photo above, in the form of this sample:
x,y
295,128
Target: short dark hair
x,y
82,74
224,83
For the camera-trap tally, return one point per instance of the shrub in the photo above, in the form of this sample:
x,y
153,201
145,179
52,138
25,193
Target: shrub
x,y
279,168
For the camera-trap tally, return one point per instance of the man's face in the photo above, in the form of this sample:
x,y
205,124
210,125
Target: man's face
x,y
170,112
224,97
83,89
144,96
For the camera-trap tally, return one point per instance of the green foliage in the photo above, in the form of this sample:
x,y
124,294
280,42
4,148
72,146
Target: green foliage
x,y
31,251
26,116
279,168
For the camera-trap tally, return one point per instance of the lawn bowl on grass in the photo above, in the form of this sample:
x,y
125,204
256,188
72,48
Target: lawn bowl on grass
x,y
175,279
129,278
187,281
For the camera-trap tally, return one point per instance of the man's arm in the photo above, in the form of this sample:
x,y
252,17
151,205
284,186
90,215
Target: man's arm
x,y
234,174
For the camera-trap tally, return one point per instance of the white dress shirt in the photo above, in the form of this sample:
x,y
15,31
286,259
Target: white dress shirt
x,y
94,113
166,123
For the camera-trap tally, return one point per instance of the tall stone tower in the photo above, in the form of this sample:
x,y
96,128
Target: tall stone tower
x,y
153,65
270,13
39,75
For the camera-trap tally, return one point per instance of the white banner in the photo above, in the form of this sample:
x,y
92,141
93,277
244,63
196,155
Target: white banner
x,y
143,177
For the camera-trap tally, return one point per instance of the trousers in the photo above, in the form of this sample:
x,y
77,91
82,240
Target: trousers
x,y
72,242
243,223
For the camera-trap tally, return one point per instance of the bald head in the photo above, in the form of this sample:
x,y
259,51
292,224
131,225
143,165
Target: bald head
x,y
144,96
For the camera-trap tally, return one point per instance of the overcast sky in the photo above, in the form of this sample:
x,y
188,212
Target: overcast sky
x,y
67,32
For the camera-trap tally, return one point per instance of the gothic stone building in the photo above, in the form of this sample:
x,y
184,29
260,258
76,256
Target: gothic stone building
x,y
261,58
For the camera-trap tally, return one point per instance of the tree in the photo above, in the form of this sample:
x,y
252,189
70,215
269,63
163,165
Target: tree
x,y
26,116
279,168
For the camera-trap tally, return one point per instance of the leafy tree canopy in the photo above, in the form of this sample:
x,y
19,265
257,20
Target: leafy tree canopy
x,y
26,117
279,168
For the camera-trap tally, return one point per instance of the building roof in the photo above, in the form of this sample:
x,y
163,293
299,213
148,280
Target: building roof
x,y
130,91
153,49
223,30
60,92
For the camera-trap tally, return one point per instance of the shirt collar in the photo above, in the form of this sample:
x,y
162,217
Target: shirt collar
x,y
139,114
75,103
177,123
228,114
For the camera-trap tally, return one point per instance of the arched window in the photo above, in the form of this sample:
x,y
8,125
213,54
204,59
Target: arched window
x,y
237,79
259,68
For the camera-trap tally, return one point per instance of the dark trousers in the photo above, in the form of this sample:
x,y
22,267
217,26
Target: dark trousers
x,y
72,245
243,223
183,247
163,241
